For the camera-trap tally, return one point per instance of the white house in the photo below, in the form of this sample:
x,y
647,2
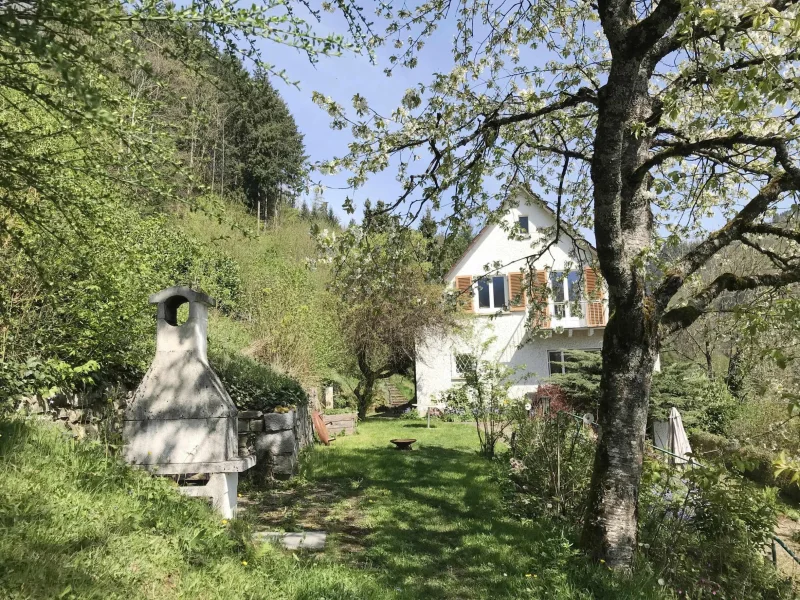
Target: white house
x,y
490,279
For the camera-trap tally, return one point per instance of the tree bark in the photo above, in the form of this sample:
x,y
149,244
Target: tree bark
x,y
629,355
735,373
363,393
623,230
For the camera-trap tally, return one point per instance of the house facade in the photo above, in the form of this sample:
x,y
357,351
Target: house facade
x,y
489,280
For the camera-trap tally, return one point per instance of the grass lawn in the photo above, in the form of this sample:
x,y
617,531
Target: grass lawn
x,y
430,523
76,523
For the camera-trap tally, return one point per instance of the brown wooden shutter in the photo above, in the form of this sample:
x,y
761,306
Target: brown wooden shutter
x,y
540,296
464,288
518,300
595,308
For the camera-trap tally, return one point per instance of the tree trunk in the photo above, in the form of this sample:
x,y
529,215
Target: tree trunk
x,y
623,231
363,393
629,355
735,376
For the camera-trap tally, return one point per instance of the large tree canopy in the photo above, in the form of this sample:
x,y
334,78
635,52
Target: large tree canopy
x,y
650,122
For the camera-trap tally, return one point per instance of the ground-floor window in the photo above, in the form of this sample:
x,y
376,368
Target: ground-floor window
x,y
464,363
558,361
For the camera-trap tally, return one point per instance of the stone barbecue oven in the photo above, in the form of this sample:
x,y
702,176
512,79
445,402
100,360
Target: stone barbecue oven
x,y
181,421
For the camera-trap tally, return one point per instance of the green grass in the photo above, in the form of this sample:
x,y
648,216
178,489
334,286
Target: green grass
x,y
77,524
427,524
431,523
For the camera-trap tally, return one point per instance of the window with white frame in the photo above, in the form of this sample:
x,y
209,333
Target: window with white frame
x,y
493,293
523,224
559,362
566,291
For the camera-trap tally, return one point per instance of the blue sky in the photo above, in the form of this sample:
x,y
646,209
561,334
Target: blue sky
x,y
344,76
341,78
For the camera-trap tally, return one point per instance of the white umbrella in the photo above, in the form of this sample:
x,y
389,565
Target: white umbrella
x,y
678,441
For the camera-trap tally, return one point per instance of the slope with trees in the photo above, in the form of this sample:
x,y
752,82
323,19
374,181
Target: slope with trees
x,y
117,122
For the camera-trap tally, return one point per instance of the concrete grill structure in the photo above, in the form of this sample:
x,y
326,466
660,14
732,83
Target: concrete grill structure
x,y
181,421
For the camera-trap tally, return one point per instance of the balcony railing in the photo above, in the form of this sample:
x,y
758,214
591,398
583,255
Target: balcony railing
x,y
588,314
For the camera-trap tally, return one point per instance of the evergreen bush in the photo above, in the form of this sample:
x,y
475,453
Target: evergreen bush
x,y
704,530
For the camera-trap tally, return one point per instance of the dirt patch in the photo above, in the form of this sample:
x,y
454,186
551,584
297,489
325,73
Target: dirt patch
x,y
787,530
293,506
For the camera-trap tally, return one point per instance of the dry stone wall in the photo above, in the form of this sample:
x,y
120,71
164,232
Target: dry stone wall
x,y
277,439
93,416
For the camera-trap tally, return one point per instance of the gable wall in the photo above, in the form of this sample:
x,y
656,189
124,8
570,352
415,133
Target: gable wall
x,y
435,359
494,244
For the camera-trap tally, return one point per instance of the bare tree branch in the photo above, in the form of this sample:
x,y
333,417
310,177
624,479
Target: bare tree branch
x,y
766,229
683,316
676,149
732,231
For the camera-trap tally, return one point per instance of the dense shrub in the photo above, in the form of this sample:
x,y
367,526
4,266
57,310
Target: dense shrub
x,y
255,386
581,382
704,530
551,462
450,414
84,301
704,403
549,399
40,378
410,414
763,422
756,464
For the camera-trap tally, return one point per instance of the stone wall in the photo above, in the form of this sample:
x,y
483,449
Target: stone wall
x,y
277,439
93,415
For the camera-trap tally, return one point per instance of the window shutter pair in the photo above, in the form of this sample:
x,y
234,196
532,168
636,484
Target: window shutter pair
x,y
595,309
519,299
465,293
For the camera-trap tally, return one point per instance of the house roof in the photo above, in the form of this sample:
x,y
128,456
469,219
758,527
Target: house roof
x,y
532,197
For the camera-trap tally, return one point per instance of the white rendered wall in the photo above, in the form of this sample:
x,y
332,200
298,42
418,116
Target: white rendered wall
x,y
494,245
435,368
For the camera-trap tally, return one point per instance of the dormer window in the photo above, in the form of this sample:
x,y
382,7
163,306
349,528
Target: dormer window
x,y
523,224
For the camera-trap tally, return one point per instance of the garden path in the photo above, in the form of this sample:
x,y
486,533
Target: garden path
x,y
429,523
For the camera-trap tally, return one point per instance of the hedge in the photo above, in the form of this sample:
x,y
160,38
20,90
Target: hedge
x,y
255,386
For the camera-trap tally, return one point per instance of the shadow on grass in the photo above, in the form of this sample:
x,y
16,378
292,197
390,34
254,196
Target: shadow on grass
x,y
436,522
